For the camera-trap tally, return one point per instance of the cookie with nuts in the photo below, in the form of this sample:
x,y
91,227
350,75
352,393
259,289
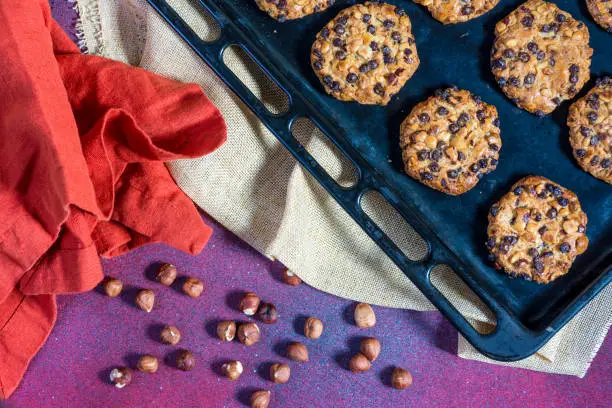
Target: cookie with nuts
x,y
450,140
541,56
601,10
536,230
457,11
590,125
366,53
283,10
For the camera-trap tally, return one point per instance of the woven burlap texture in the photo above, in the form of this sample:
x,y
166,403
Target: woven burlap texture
x,y
255,188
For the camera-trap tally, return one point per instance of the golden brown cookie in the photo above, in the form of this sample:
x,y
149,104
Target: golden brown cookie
x,y
283,10
366,53
541,56
601,10
536,230
590,124
457,11
450,140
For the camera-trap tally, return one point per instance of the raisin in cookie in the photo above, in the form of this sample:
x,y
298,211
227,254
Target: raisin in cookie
x,y
457,11
590,124
601,10
450,141
366,53
283,10
541,56
536,230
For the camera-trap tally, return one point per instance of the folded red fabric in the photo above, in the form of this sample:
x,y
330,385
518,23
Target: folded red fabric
x,y
82,145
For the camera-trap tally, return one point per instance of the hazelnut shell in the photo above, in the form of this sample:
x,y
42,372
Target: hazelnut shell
x,y
296,351
364,316
313,328
359,363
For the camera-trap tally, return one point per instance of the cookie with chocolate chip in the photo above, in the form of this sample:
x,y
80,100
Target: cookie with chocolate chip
x,y
601,10
536,230
541,56
366,53
457,11
450,140
590,125
283,10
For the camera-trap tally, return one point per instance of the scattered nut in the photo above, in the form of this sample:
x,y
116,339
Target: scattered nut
x,y
267,313
166,274
313,328
364,315
400,378
290,278
226,330
280,373
249,303
248,333
112,287
296,351
170,335
359,363
145,299
232,369
370,347
260,399
193,287
121,376
185,360
147,364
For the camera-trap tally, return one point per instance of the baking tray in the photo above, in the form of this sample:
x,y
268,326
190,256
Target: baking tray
x,y
528,314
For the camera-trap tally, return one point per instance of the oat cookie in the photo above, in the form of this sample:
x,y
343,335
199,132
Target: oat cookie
x,y
283,10
457,11
536,230
450,140
601,10
590,124
541,56
366,53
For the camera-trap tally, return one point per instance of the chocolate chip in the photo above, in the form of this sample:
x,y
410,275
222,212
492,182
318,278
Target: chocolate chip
x,y
496,122
463,118
504,248
539,113
467,10
494,210
407,52
378,89
563,202
538,265
400,11
494,147
532,252
325,33
592,117
338,42
340,55
372,64
442,111
529,79
327,80
498,63
527,21
483,163
551,213
453,174
427,176
423,155
510,239
386,50
317,53
396,37
453,128
491,242
514,81
532,47
481,115
540,55
573,78
580,153
351,78
335,86
518,190
424,117
461,156
474,168
595,161
317,65
551,62
594,141
561,18
585,131
371,29
508,53
436,155
542,230
581,228
564,247
388,24
523,56
339,29
493,162
605,163
387,59
366,18
435,167
391,78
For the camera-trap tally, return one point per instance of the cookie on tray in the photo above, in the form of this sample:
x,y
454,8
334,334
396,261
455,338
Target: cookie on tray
x,y
457,11
366,53
283,10
590,125
536,230
541,56
450,140
601,10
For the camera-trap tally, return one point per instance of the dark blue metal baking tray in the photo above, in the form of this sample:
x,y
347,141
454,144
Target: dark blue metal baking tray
x,y
527,314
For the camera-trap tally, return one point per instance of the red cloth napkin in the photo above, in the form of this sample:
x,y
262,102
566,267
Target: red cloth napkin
x,y
82,145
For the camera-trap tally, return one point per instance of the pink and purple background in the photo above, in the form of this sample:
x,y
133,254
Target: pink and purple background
x,y
95,333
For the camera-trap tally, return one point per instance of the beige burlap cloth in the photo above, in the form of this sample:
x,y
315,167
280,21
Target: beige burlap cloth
x,y
255,188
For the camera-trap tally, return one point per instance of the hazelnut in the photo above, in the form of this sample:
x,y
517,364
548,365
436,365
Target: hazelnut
x,y
260,399
248,333
290,278
145,299
280,373
249,303
296,351
147,364
121,376
370,347
267,313
359,363
112,287
166,274
364,315
170,335
226,330
193,287
185,360
313,328
232,369
400,378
